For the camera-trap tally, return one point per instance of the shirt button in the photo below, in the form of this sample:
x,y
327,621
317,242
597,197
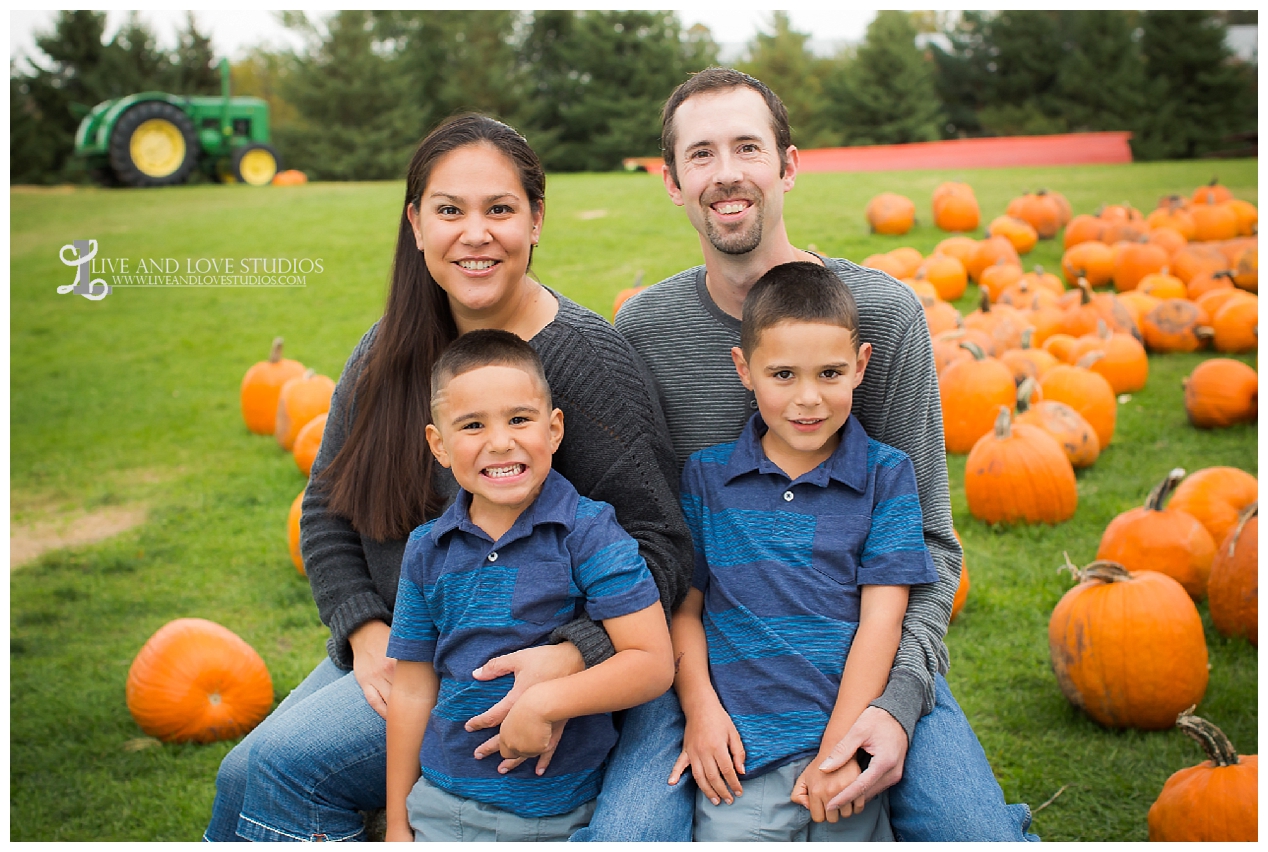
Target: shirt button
x,y
752,403
788,495
493,557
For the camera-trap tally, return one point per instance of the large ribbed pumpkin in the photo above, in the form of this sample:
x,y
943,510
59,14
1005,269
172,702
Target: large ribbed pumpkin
x,y
1221,392
1125,364
301,399
308,442
890,213
1233,588
1160,538
1217,800
1018,472
972,391
196,681
1086,392
261,386
1128,649
1067,427
1216,496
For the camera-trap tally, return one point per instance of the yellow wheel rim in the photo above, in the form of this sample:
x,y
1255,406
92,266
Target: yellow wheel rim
x,y
257,167
157,147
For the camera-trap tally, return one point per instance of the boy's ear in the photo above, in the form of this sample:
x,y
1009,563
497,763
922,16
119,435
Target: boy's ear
x,y
556,429
741,366
437,445
865,354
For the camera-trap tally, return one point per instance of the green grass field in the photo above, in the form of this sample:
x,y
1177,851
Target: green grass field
x,y
133,402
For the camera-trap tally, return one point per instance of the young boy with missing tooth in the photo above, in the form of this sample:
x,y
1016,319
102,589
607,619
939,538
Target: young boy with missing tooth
x,y
518,554
807,536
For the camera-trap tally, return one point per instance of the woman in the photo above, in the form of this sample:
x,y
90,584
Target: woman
x,y
474,205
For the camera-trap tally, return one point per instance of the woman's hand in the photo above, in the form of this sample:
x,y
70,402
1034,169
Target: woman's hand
x,y
370,664
530,666
711,746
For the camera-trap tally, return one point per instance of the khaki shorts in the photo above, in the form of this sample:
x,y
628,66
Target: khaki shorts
x,y
436,815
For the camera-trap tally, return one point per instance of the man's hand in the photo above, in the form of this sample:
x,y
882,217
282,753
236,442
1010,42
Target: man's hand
x,y
815,788
711,746
370,664
530,666
880,735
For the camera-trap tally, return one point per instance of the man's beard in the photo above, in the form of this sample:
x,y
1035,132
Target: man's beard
x,y
735,242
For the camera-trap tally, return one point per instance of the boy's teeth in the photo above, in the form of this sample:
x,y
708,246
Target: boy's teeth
x,y
475,264
506,470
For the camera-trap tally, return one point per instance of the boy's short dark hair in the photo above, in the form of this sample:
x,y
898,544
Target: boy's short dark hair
x,y
802,292
486,347
715,79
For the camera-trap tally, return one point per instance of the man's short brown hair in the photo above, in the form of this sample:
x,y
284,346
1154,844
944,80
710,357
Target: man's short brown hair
x,y
719,80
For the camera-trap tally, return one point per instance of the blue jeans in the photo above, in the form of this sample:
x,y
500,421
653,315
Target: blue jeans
x,y
307,770
947,791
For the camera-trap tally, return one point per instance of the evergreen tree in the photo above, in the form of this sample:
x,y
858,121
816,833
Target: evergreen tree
x,y
599,80
193,68
356,116
886,95
1101,81
1198,95
782,60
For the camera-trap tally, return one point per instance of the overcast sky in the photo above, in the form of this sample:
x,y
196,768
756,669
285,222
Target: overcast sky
x,y
234,31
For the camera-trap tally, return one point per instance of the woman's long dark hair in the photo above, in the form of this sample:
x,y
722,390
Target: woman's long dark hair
x,y
381,479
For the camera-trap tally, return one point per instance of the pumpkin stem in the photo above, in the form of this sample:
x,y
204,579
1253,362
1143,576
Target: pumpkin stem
x,y
985,302
974,349
1025,391
1106,571
1027,334
1163,490
1249,512
309,373
1204,333
1003,424
1089,359
1102,330
275,354
1213,741
1086,290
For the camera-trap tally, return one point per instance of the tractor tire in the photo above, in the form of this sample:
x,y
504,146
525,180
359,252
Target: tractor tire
x,y
153,144
255,164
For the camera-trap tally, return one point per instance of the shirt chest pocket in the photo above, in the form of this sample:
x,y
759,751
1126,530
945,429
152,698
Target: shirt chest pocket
x,y
541,591
838,546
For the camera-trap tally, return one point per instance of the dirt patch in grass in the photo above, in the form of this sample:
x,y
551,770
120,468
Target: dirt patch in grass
x,y
28,541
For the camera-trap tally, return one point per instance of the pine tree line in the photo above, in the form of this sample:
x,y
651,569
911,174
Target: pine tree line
x,y
586,87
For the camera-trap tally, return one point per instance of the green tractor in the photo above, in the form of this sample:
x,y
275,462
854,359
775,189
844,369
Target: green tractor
x,y
158,139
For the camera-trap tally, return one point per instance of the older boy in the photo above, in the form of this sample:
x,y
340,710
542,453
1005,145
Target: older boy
x,y
518,554
807,535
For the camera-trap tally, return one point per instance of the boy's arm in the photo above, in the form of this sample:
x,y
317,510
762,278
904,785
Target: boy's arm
x,y
866,672
409,707
641,669
711,744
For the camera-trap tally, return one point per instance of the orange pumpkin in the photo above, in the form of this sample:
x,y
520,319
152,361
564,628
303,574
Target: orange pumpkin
x,y
302,398
1106,638
1221,392
1175,217
1135,262
1002,323
961,248
261,386
1044,280
1214,299
1246,269
947,349
1155,538
1082,229
1039,210
1212,193
1168,238
989,252
890,213
196,681
1195,258
1213,222
1086,392
1020,233
292,532
1176,325
1137,304
1233,587
1093,261
998,277
1205,282
1067,427
909,258
940,316
1124,365
308,442
886,262
290,177
1217,800
1236,325
1247,216
962,589
1216,496
972,391
1018,472
1085,311
947,275
1160,285
1027,361
955,207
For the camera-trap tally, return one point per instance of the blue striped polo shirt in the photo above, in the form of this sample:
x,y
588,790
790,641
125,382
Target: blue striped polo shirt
x,y
463,599
780,563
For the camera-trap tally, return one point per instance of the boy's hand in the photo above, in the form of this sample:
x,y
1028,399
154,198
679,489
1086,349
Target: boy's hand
x,y
397,834
712,747
527,733
879,734
815,790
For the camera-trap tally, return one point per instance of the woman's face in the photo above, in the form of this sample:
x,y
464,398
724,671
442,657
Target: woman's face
x,y
475,227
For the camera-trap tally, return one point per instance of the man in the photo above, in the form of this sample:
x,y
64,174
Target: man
x,y
729,160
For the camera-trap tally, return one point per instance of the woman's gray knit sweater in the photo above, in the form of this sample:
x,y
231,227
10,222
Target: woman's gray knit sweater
x,y
616,449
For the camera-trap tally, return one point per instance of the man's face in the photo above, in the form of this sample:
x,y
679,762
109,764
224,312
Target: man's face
x,y
728,168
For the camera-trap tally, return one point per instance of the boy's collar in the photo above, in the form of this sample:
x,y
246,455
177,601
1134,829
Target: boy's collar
x,y
556,503
847,464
